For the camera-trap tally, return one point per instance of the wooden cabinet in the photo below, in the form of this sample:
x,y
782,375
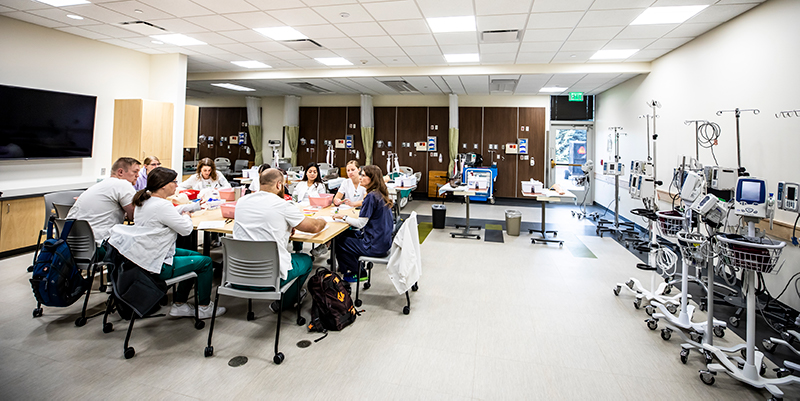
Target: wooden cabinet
x,y
309,132
531,126
386,131
332,126
500,128
412,126
190,126
20,222
225,122
439,127
142,128
354,129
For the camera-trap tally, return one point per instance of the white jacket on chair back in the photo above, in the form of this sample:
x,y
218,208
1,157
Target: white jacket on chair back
x,y
405,262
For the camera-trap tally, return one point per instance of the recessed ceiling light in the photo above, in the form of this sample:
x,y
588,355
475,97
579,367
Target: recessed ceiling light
x,y
178,39
613,54
281,33
452,24
344,15
234,87
138,11
553,89
63,3
73,16
158,42
462,58
251,64
333,61
667,15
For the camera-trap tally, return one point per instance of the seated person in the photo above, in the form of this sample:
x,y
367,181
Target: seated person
x,y
375,220
311,184
254,185
106,203
150,162
351,193
207,177
266,216
159,255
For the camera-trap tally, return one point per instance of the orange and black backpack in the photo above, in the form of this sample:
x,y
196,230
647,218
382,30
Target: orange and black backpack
x,y
332,307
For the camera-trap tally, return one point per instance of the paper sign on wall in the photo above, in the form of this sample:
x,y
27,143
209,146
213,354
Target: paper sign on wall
x,y
432,144
523,146
348,141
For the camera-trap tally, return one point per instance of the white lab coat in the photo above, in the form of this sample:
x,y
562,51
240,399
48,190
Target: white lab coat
x,y
405,262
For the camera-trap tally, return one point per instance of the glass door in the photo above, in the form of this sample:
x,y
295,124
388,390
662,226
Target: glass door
x,y
570,146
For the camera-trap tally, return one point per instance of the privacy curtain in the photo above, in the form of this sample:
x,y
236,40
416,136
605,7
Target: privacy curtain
x,y
291,123
453,135
254,126
367,127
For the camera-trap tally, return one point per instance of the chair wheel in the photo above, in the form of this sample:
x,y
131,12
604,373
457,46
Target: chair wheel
x,y
251,315
301,321
37,312
415,287
357,302
406,310
769,346
129,352
108,328
367,285
479,237
278,358
199,324
209,351
102,288
80,322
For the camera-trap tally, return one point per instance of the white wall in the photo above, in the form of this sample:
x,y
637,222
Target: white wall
x,y
42,58
748,62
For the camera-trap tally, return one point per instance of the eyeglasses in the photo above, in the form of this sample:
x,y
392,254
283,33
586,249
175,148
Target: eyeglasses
x,y
155,164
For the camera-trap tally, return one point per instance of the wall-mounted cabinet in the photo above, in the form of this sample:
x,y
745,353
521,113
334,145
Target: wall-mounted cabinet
x,y
223,124
20,222
191,120
142,128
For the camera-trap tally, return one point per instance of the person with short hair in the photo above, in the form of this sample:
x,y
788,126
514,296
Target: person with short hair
x,y
311,184
254,185
207,177
376,224
108,202
150,162
266,216
350,193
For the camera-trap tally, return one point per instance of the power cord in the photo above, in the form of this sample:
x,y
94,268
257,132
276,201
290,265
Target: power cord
x,y
707,135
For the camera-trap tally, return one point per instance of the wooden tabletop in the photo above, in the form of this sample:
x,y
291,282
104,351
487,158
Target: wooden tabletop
x,y
332,230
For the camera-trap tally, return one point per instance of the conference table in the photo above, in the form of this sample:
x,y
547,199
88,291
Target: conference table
x,y
211,220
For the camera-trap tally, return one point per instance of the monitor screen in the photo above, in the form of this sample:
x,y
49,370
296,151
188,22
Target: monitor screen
x,y
751,191
790,193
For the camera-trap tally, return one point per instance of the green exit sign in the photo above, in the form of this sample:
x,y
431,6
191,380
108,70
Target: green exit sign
x,y
576,96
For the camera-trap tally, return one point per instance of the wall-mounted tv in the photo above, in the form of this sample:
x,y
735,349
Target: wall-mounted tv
x,y
40,124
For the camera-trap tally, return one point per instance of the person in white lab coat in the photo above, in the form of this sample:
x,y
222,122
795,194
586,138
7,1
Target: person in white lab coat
x,y
311,184
351,193
207,177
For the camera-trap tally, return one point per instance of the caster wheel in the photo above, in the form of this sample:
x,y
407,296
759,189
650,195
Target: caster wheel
x,y
129,352
769,346
108,328
616,290
666,334
696,337
452,236
672,308
209,351
199,324
787,337
783,372
415,287
707,378
718,331
406,310
652,324
668,290
630,284
102,288
560,244
357,302
704,305
479,237
708,356
684,355
637,303
775,399
734,321
743,353
37,312
278,358
251,316
80,322
367,286
301,321
763,369
649,310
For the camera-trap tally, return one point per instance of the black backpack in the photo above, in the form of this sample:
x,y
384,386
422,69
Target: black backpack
x,y
332,307
135,290
57,280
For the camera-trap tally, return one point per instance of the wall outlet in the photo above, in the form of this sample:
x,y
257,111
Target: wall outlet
x,y
103,171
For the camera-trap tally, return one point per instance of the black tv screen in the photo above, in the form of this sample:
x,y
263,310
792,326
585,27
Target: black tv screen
x,y
40,124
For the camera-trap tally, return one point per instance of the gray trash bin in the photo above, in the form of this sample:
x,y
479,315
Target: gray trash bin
x,y
439,214
513,220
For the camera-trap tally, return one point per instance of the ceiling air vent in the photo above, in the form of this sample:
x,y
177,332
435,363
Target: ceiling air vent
x,y
310,87
143,27
503,85
401,86
501,36
301,44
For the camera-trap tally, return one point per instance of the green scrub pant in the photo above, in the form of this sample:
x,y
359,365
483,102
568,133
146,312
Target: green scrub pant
x,y
186,261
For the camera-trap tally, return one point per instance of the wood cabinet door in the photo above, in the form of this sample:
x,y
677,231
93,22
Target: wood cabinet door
x,y
309,129
157,131
208,128
20,222
354,129
385,130
332,126
499,128
127,140
532,126
191,119
412,127
470,129
439,127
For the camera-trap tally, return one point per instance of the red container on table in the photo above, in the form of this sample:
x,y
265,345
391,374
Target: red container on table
x,y
191,193
228,209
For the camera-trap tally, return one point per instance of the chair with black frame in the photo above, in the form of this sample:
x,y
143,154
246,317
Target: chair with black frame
x,y
84,252
251,270
61,198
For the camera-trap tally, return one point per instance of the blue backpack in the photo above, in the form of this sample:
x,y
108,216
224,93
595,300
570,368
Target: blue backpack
x,y
56,280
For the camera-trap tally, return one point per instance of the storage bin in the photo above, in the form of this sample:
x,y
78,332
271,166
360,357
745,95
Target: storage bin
x,y
227,194
324,200
228,209
439,215
513,220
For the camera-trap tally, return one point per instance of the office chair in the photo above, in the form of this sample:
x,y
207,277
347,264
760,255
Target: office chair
x,y
84,252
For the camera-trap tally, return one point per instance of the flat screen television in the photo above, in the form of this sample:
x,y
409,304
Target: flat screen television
x,y
40,124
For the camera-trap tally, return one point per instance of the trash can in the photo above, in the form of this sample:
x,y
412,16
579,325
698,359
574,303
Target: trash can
x,y
513,220
439,213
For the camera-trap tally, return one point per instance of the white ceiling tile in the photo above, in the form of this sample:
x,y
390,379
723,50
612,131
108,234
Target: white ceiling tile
x,y
456,38
121,43
534,57
393,10
298,17
386,51
4,9
361,29
319,53
97,13
476,84
150,51
83,32
540,46
143,29
410,27
498,58
144,41
564,79
415,40
252,20
373,85
450,8
59,15
214,51
245,36
540,6
316,3
554,20
429,60
502,22
648,55
596,79
691,30
215,23
720,14
375,41
499,48
35,19
236,48
111,31
620,44
321,31
645,31
546,35
355,52
495,7
424,84
668,43
268,5
583,45
289,55
179,8
621,4
669,3
24,5
595,33
127,7
610,17
423,51
214,38
333,13
459,49
309,63
338,43
455,84
227,6
179,26
396,61
724,2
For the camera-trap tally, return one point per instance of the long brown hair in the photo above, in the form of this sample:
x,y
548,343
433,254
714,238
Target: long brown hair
x,y
207,162
376,183
157,179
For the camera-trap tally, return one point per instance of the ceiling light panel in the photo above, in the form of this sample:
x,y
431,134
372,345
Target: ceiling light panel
x,y
63,3
452,24
281,33
333,61
178,40
251,64
462,58
553,89
234,87
614,54
667,15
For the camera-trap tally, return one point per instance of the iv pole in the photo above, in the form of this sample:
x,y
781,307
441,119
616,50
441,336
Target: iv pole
x,y
616,227
738,113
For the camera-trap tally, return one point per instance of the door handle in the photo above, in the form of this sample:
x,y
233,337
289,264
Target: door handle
x,y
553,164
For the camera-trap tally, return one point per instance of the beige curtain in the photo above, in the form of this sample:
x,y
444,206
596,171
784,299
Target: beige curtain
x,y
453,135
367,127
254,126
367,137
291,123
255,140
292,137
